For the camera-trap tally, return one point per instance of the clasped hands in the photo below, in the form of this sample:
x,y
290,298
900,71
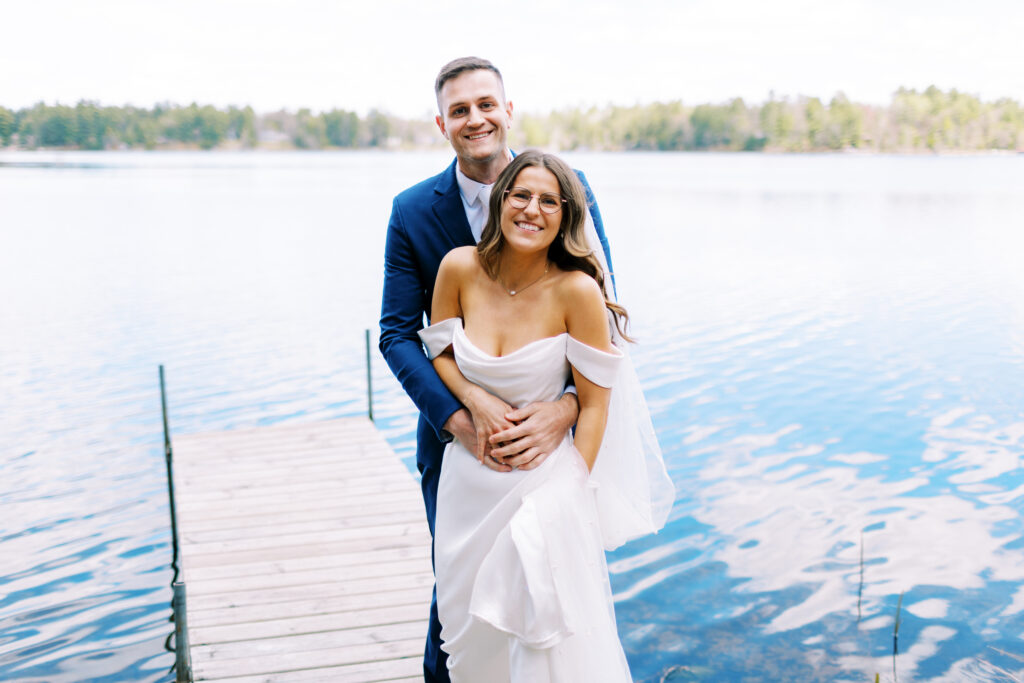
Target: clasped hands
x,y
508,438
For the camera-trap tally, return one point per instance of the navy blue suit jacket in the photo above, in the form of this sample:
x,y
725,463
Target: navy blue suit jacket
x,y
427,221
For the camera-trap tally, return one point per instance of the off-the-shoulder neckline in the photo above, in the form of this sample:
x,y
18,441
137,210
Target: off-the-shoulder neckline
x,y
457,322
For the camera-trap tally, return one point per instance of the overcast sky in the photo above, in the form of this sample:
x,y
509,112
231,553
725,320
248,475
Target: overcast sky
x,y
385,53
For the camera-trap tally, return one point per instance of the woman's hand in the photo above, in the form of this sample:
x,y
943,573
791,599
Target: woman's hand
x,y
488,413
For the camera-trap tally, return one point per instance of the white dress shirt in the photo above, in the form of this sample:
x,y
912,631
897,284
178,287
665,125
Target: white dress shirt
x,y
474,200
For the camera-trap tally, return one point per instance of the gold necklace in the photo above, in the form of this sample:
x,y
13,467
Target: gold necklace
x,y
513,292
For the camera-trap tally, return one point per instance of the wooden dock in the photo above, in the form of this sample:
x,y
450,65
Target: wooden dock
x,y
305,555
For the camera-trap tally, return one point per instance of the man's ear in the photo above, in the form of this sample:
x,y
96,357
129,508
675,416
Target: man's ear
x,y
439,120
508,111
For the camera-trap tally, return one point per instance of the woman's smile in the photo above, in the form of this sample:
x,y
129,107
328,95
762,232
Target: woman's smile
x,y
528,228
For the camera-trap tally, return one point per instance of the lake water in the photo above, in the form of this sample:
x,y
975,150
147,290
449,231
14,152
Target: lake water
x,y
832,347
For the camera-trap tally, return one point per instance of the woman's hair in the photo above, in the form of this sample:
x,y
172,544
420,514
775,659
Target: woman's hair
x,y
570,250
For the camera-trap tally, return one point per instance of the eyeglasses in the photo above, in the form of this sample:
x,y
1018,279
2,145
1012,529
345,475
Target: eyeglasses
x,y
520,198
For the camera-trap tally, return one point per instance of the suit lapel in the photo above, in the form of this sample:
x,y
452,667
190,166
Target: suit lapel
x,y
449,210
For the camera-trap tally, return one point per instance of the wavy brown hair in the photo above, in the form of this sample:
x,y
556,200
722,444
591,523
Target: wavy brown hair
x,y
570,250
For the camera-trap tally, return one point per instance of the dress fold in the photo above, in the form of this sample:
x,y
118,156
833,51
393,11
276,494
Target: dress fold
x,y
515,589
522,583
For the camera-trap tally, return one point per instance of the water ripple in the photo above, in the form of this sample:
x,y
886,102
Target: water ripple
x,y
833,352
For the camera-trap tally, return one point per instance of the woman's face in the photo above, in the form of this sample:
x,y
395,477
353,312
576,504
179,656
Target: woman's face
x,y
531,228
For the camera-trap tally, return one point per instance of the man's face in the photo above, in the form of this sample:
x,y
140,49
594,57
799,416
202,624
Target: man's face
x,y
474,116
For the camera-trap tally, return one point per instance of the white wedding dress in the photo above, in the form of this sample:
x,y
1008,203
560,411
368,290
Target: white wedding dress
x,y
522,584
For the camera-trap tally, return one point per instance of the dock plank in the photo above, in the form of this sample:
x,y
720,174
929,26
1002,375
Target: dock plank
x,y
305,554
401,670
310,563
313,623
247,614
303,577
292,661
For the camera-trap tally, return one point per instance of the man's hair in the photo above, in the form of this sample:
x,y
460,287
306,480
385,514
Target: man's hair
x,y
459,66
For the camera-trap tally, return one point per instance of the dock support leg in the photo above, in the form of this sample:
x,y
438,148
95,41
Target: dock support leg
x,y
369,379
182,652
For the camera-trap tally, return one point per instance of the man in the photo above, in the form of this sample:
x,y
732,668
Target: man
x,y
428,220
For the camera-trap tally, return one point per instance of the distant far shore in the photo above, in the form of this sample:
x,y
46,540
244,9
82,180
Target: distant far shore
x,y
20,155
929,121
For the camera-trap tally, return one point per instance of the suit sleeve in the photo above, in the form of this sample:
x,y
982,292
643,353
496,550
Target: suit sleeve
x,y
401,318
595,215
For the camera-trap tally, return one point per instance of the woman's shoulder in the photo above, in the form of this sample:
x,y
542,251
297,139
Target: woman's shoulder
x,y
576,286
460,255
461,260
584,310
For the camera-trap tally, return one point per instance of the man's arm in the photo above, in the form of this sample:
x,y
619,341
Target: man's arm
x,y
401,318
595,216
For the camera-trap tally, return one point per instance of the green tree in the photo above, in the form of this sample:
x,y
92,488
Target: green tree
x,y
7,126
777,123
817,122
710,126
341,128
1007,127
242,126
181,124
310,131
846,123
91,126
144,132
57,126
664,126
722,126
378,128
213,126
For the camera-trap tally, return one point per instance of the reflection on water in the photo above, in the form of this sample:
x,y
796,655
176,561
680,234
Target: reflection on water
x,y
833,350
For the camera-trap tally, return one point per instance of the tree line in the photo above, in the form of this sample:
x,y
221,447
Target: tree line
x,y
90,126
931,119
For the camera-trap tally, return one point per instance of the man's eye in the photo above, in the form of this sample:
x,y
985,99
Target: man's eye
x,y
459,111
487,105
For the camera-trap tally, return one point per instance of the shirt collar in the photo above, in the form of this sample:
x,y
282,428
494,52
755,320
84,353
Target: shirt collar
x,y
471,190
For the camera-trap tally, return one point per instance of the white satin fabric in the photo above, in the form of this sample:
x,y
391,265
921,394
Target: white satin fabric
x,y
522,584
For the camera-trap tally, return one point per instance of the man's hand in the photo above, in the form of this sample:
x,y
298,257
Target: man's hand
x,y
460,425
539,428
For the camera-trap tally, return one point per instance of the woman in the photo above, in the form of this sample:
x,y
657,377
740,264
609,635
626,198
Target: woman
x,y
522,584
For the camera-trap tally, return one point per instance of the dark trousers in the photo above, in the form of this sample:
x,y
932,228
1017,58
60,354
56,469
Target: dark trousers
x,y
435,660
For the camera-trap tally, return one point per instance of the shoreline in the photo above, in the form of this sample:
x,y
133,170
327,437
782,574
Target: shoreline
x,y
277,149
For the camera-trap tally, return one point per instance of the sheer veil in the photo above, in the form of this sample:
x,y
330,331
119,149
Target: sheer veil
x,y
634,492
